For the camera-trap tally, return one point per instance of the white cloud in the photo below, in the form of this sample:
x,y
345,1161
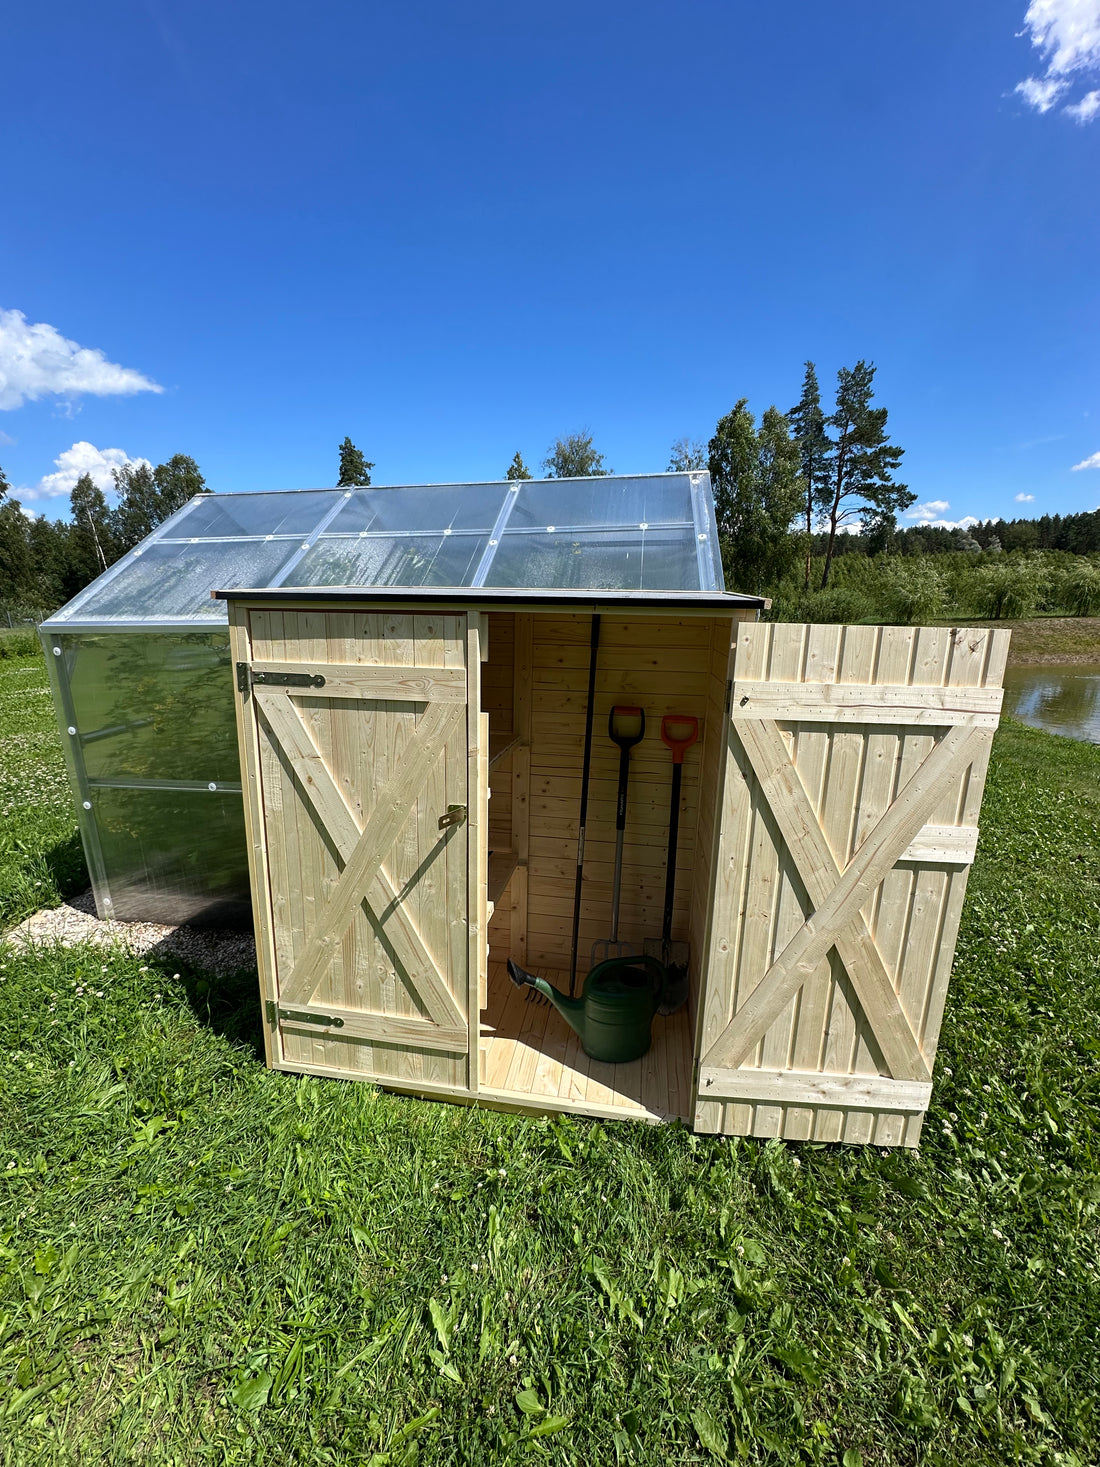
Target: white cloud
x,y
932,515
1067,35
1041,95
926,514
82,458
1025,499
1092,462
37,361
1086,109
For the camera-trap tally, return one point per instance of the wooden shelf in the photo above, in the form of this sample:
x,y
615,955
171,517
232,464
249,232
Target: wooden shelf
x,y
501,866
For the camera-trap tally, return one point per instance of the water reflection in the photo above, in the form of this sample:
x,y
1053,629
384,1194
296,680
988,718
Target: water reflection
x,y
1061,700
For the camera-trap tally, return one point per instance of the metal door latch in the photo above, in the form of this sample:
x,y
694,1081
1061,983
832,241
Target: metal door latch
x,y
298,1016
247,675
456,815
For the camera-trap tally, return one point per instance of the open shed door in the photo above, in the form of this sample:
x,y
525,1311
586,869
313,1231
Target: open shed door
x,y
356,742
855,763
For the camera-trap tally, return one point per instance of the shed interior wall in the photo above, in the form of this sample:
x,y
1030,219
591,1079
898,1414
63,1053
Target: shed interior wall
x,y
534,690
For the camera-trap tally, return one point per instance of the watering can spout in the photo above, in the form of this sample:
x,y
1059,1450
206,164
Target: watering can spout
x,y
571,1009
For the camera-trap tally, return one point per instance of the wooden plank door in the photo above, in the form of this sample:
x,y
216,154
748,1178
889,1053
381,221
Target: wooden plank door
x,y
360,762
855,763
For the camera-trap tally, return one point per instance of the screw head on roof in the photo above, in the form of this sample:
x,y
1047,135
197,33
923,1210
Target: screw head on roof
x,y
549,529
702,537
87,804
644,525
211,786
57,651
72,730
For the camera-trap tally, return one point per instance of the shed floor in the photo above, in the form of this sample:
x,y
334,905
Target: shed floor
x,y
529,1056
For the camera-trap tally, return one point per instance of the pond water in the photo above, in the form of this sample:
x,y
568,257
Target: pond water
x,y
1061,700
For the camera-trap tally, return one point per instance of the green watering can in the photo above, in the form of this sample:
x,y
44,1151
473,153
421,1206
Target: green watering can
x,y
614,1015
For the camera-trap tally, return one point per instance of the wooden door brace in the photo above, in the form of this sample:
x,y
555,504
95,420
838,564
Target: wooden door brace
x,y
837,897
363,851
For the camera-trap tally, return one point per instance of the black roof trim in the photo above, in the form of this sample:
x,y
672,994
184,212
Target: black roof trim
x,y
498,596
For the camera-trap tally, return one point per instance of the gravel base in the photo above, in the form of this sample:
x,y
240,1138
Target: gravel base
x,y
76,921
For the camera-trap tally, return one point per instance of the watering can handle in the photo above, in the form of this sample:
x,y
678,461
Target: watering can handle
x,y
679,742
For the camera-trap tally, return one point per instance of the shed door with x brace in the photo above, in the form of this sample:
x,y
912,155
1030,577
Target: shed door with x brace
x,y
856,758
356,743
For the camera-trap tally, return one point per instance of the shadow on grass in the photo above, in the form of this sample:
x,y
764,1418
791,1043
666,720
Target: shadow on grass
x,y
66,865
228,1003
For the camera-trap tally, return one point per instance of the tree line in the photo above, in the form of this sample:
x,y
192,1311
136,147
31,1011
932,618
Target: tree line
x,y
797,495
43,563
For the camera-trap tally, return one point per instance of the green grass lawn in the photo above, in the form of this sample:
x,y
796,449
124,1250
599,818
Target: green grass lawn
x,y
202,1261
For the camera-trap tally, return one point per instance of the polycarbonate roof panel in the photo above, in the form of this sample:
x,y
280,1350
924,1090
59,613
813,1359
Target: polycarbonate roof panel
x,y
390,560
432,508
226,516
641,533
173,580
599,560
609,503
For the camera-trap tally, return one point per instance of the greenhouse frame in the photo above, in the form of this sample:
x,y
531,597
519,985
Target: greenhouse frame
x,y
139,661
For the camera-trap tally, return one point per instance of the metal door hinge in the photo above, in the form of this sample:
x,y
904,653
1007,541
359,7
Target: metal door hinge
x,y
247,675
299,1016
456,815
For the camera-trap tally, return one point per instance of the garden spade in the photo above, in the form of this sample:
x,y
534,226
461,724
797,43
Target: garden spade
x,y
625,727
678,733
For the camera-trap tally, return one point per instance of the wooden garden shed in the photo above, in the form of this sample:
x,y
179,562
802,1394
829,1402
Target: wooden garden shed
x,y
410,759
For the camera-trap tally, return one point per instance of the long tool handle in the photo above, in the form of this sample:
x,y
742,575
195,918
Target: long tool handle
x,y
594,647
670,865
620,835
625,727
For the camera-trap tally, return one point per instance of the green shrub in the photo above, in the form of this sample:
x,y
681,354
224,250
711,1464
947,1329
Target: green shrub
x,y
912,590
18,643
1012,589
1079,589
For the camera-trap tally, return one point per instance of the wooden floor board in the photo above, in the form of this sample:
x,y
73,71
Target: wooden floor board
x,y
530,1054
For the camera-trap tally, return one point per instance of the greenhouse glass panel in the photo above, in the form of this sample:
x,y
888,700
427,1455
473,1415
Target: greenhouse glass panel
x,y
174,855
559,504
428,510
598,560
154,705
174,578
384,560
226,516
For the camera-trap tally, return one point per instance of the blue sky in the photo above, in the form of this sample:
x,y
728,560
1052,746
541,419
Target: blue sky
x,y
455,232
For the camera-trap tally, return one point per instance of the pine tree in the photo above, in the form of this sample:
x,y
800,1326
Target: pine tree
x,y
807,420
16,578
757,493
688,455
177,481
860,482
517,469
354,467
574,457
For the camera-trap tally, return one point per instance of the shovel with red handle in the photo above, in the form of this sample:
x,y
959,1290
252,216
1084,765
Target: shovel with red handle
x,y
678,732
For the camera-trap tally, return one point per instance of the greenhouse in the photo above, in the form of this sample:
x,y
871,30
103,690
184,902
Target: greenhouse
x,y
140,663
